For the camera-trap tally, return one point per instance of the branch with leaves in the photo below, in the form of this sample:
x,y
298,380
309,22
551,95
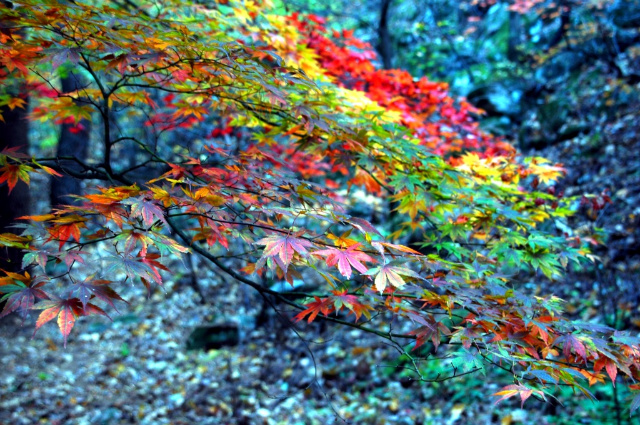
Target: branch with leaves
x,y
313,123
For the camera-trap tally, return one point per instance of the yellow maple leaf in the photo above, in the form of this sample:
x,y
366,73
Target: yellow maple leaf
x,y
16,102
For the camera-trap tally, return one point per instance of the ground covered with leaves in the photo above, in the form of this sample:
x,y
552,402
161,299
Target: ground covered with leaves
x,y
138,370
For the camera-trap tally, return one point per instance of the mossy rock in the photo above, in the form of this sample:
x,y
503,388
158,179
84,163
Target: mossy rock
x,y
213,337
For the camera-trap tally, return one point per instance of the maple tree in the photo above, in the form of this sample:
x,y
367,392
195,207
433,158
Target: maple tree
x,y
248,135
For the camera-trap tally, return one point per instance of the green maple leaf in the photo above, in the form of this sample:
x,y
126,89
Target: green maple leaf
x,y
390,274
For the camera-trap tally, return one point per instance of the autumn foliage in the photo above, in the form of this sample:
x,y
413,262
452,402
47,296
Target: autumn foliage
x,y
250,138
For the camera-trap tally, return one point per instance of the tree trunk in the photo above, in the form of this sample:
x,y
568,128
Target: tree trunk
x,y
565,23
73,141
515,34
384,35
13,133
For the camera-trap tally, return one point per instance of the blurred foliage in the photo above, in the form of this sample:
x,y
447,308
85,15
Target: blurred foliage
x,y
543,74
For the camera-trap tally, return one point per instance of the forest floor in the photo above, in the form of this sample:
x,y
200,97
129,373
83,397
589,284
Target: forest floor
x,y
137,369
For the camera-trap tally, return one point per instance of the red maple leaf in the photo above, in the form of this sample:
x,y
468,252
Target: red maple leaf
x,y
66,310
64,232
430,329
345,259
12,173
281,249
569,342
342,299
609,365
320,305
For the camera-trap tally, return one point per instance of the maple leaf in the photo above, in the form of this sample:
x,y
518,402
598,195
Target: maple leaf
x,y
363,225
163,196
64,232
113,195
146,209
351,302
67,311
592,378
65,227
63,56
143,267
521,390
20,293
401,248
211,235
390,274
569,341
38,256
151,261
13,240
98,288
412,206
320,305
13,152
345,259
342,241
71,256
48,170
13,62
112,211
166,244
11,173
430,329
281,249
131,239
545,173
609,365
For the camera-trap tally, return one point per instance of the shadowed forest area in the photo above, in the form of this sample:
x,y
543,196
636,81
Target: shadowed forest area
x,y
306,212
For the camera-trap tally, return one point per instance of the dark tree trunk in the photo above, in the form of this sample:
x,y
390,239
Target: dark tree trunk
x,y
13,133
385,48
74,141
515,34
565,23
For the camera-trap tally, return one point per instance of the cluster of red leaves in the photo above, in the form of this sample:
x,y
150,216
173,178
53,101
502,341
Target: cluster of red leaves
x,y
444,125
338,301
